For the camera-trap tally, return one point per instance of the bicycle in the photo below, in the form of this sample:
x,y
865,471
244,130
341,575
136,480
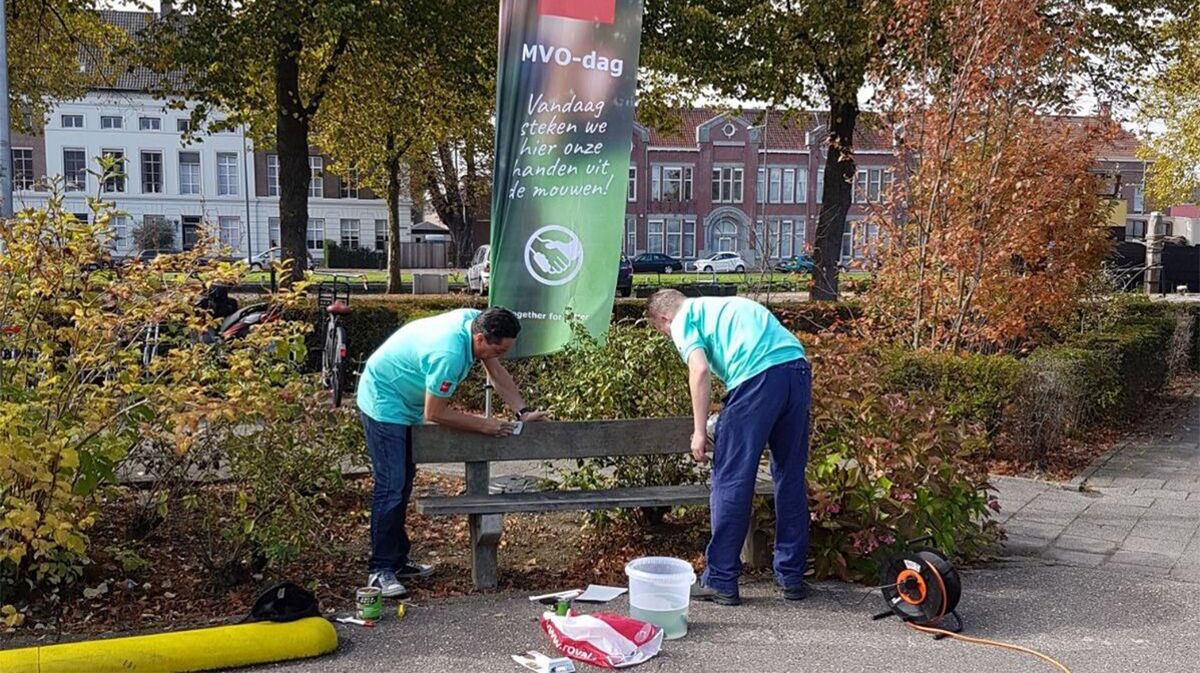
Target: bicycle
x,y
333,302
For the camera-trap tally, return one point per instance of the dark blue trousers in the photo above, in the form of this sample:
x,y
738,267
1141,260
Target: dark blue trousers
x,y
770,409
390,448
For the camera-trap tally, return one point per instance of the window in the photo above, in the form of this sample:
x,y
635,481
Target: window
x,y
675,238
72,121
316,234
820,184
272,175
689,238
22,159
727,184
229,229
632,192
671,183
115,182
774,188
316,184
801,238
630,235
152,173
111,122
654,236
802,186
381,234
189,172
149,124
183,125
871,185
789,185
786,240
273,232
120,228
350,231
349,186
75,169
1139,199
227,174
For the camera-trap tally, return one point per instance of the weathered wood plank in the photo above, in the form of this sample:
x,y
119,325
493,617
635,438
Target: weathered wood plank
x,y
485,530
551,440
556,501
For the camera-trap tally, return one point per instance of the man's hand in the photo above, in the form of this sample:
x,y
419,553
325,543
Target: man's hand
x,y
534,416
496,427
699,446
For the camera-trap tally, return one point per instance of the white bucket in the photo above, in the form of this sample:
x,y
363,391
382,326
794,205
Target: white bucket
x,y
660,591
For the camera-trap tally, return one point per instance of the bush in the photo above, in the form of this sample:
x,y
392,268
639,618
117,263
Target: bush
x,y
76,395
971,387
338,257
886,467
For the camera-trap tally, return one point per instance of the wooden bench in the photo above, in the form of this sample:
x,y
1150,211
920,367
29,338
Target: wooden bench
x,y
557,441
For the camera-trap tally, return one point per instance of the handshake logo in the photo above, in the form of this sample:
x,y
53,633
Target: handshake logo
x,y
553,255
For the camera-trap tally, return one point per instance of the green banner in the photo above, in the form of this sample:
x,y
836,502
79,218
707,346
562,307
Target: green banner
x,y
564,128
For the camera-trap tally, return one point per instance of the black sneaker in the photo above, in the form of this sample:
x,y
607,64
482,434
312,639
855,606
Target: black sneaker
x,y
703,593
798,592
413,571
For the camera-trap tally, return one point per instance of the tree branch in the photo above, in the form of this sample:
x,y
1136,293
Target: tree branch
x,y
326,75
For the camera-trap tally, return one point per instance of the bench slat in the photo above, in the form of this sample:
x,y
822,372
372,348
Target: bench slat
x,y
555,440
552,501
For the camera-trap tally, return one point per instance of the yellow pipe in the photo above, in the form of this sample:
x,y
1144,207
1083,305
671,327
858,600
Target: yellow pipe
x,y
180,651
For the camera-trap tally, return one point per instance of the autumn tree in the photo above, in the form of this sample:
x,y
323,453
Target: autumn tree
x,y
426,76
271,64
799,53
48,42
1171,113
995,224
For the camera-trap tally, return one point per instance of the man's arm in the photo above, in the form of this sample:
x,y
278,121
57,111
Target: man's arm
x,y
438,410
504,384
700,384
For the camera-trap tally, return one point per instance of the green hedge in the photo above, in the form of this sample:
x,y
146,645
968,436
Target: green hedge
x,y
1029,406
337,257
373,319
970,387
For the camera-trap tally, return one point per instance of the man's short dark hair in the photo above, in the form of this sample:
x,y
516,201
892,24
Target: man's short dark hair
x,y
496,324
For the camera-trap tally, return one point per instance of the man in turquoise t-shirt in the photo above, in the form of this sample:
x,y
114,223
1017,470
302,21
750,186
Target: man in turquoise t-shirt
x,y
409,380
769,392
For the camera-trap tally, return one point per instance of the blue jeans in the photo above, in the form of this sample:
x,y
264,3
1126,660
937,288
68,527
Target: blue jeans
x,y
770,409
390,448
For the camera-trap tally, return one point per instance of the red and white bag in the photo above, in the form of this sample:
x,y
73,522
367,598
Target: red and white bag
x,y
603,640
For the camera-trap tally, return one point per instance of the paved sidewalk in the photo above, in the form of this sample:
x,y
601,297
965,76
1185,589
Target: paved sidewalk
x,y
1136,509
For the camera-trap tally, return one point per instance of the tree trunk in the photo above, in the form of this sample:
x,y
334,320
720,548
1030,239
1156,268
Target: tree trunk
x,y
416,194
392,166
446,195
836,199
291,132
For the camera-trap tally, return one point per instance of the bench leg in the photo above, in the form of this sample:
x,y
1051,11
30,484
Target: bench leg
x,y
756,553
485,540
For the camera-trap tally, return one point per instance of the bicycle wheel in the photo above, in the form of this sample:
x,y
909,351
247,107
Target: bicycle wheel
x,y
339,365
327,352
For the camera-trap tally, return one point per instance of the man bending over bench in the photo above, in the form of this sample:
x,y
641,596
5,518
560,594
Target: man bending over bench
x,y
769,393
408,380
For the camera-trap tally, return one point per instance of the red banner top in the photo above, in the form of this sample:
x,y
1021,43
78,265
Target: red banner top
x,y
603,11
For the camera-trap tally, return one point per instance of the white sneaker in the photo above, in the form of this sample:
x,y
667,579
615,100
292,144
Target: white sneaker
x,y
388,585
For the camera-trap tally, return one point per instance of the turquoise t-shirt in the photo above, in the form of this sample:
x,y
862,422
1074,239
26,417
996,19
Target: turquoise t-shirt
x,y
432,355
740,337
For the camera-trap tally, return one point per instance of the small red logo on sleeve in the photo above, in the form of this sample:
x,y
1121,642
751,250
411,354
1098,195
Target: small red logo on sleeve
x,y
603,11
445,386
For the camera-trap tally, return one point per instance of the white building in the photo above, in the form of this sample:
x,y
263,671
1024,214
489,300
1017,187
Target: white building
x,y
218,180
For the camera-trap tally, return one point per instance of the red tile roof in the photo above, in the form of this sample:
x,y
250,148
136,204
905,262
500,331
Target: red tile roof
x,y
785,130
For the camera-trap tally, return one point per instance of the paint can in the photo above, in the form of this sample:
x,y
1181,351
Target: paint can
x,y
369,603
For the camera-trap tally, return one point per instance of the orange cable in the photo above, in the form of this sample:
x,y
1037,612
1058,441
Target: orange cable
x,y
982,641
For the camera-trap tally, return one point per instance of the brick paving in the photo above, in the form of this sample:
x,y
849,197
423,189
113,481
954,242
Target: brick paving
x,y
1137,508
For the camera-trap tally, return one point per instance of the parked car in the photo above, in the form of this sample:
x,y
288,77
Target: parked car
x,y
625,277
656,262
480,270
266,258
802,263
722,262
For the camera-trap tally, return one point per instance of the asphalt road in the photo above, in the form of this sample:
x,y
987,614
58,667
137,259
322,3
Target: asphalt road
x,y
1093,620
